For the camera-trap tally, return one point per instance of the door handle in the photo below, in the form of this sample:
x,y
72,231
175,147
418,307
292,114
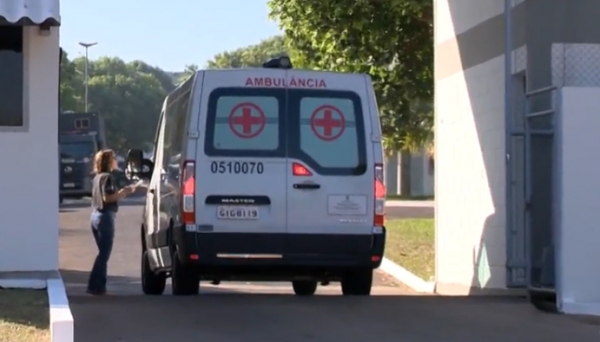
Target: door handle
x,y
307,186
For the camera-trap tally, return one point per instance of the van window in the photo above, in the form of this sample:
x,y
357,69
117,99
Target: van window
x,y
157,153
328,131
323,128
175,125
245,123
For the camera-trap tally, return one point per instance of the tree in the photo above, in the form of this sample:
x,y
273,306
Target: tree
x,y
69,84
128,95
165,79
392,40
250,56
188,72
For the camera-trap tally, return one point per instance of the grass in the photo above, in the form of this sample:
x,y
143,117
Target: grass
x,y
409,198
24,316
410,243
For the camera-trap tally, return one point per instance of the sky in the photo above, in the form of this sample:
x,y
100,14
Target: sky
x,y
168,34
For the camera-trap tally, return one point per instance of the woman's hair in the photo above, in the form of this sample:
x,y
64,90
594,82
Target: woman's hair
x,y
103,161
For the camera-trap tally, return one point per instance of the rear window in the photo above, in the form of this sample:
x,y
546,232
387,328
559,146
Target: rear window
x,y
324,129
328,131
246,123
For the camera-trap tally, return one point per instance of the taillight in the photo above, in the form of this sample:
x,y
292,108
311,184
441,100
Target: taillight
x,y
188,192
379,217
300,170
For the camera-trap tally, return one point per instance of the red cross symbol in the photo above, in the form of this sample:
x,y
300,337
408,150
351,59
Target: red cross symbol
x,y
328,123
247,120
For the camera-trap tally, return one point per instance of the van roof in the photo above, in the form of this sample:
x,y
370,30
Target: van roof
x,y
295,71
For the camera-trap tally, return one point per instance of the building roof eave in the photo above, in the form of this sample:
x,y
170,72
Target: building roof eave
x,y
30,12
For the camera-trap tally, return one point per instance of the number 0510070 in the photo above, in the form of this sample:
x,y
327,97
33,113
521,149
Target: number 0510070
x,y
237,167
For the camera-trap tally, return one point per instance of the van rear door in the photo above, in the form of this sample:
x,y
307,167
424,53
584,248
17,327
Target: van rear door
x,y
241,163
331,183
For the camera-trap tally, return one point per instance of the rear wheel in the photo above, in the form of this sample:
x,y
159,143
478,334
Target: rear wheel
x,y
152,283
304,287
184,279
357,282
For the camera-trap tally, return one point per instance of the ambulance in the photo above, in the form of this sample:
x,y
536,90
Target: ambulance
x,y
264,174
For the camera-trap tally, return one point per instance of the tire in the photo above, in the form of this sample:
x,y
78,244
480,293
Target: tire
x,y
184,279
304,287
357,282
152,284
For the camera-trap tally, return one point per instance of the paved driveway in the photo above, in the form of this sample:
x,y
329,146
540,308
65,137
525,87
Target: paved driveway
x,y
252,312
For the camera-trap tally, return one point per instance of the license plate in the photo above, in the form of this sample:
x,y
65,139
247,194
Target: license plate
x,y
68,185
237,213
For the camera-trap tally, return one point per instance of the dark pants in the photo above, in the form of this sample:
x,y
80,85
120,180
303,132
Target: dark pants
x,y
103,228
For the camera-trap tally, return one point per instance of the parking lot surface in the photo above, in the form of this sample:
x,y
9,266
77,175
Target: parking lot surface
x,y
252,312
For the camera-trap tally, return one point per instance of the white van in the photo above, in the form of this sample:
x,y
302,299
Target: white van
x,y
269,174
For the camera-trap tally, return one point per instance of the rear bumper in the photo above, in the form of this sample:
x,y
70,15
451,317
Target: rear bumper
x,y
278,256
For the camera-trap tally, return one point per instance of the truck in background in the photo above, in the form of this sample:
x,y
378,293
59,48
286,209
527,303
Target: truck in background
x,y
81,135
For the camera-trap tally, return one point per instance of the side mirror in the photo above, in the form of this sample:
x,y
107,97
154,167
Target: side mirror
x,y
137,166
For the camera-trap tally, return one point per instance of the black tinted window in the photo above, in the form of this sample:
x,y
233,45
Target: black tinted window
x,y
11,76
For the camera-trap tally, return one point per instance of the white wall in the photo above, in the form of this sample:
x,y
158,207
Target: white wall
x,y
578,272
469,158
469,179
29,182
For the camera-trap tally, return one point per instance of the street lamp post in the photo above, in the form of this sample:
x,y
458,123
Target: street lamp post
x,y
86,46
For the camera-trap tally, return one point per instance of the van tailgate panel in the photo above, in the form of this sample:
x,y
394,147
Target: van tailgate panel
x,y
335,219
241,199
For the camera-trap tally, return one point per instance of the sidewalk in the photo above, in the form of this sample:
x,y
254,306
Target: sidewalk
x,y
414,204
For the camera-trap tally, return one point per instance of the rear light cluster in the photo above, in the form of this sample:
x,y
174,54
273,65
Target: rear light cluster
x,y
379,217
300,170
188,195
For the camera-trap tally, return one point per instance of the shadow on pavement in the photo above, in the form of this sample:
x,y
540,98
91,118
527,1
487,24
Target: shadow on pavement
x,y
231,315
76,282
73,277
259,317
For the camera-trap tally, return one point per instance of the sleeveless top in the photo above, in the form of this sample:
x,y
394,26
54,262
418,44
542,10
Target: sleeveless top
x,y
103,184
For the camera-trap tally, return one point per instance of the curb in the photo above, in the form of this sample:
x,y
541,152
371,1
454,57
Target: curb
x,y
406,277
61,319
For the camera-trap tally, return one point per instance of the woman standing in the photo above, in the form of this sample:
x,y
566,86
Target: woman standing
x,y
105,198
